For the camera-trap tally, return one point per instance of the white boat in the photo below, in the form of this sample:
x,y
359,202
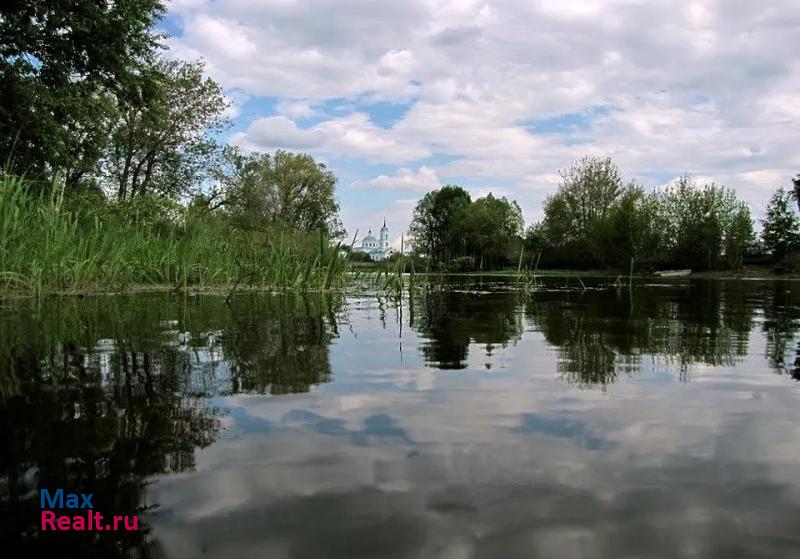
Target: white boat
x,y
673,273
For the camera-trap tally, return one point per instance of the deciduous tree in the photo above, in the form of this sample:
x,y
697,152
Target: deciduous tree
x,y
284,188
63,67
163,140
435,223
491,228
781,233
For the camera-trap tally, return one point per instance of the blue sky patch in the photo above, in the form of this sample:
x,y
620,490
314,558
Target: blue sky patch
x,y
567,123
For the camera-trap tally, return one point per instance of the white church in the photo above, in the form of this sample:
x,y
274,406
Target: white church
x,y
379,248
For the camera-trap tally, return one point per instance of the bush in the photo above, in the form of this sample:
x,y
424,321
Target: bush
x,y
789,265
461,264
355,256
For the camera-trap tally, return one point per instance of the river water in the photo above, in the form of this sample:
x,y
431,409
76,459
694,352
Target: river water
x,y
471,419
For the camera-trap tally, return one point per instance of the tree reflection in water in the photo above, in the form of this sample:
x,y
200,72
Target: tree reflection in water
x,y
781,324
102,394
451,320
602,332
98,395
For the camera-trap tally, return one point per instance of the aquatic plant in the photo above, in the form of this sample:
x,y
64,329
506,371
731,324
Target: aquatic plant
x,y
48,244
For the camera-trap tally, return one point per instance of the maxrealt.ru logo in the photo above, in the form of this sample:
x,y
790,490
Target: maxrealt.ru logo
x,y
87,520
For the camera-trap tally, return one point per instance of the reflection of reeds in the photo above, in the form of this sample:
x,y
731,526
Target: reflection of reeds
x,y
45,247
276,343
394,276
9,384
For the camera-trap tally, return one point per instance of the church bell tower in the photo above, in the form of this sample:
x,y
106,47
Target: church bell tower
x,y
384,237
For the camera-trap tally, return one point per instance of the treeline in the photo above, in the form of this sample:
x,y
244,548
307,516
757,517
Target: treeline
x,y
90,101
595,220
108,143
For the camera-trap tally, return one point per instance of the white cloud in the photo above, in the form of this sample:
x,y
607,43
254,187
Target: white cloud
x,y
704,87
423,179
353,135
296,110
356,135
228,39
235,99
277,132
569,9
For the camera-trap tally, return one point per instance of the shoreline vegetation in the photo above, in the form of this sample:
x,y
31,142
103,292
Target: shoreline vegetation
x,y
54,243
594,221
116,176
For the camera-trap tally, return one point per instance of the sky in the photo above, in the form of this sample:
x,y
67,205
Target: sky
x,y
401,97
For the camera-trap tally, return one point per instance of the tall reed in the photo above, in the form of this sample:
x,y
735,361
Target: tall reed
x,y
47,247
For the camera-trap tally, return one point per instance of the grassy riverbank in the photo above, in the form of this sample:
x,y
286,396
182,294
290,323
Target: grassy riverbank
x,y
52,244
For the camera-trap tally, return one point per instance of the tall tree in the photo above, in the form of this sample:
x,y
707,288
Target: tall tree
x,y
796,189
491,226
781,232
695,220
630,233
435,223
63,66
739,235
163,141
284,188
588,190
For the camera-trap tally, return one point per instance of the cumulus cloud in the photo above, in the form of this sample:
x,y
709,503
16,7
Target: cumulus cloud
x,y
353,135
706,87
296,109
277,132
405,179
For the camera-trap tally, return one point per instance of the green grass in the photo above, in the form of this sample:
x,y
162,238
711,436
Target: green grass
x,y
46,247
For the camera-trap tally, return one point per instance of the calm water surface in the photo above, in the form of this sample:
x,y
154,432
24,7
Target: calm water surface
x,y
467,421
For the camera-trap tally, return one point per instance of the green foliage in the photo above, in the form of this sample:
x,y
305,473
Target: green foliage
x,y
149,213
461,264
593,221
87,105
283,189
693,231
63,68
739,236
45,247
696,220
536,239
491,230
457,234
573,215
84,96
588,190
628,235
356,256
162,140
781,233
435,224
